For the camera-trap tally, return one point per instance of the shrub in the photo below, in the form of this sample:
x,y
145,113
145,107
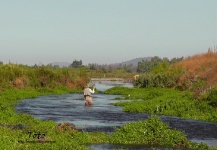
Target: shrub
x,y
212,97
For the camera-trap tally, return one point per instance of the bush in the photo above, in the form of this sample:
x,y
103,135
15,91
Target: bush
x,y
212,97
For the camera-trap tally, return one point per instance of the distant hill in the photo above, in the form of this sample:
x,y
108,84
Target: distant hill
x,y
135,61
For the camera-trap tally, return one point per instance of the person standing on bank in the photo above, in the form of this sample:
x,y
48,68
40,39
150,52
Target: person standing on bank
x,y
88,95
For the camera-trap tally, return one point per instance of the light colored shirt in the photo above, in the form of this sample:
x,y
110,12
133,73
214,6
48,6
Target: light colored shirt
x,y
88,91
92,91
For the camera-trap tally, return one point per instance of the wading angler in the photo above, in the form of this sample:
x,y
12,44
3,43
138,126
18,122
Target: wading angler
x,y
88,95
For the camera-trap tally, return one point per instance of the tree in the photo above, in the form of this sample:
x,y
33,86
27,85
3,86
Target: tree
x,y
76,64
92,66
147,66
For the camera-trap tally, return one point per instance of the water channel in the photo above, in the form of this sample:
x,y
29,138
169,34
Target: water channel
x,y
103,116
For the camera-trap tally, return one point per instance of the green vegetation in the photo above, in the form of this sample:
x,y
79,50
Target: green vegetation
x,y
20,76
212,97
165,101
152,132
147,66
196,73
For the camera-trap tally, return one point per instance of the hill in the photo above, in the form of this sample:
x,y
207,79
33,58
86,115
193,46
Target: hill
x,y
134,62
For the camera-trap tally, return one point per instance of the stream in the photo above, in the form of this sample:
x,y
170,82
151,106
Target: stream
x,y
104,117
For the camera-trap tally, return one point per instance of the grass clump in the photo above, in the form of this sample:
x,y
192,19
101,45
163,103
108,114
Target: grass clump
x,y
152,132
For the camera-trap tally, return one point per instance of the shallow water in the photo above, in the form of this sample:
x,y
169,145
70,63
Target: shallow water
x,y
103,116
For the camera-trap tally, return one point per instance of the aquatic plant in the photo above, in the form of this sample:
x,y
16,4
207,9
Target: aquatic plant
x,y
165,101
152,132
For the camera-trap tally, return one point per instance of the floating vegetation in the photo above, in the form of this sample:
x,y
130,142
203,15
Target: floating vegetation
x,y
166,102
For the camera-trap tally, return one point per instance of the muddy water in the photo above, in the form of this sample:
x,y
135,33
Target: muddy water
x,y
103,116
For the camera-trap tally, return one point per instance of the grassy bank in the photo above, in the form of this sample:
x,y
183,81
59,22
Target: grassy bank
x,y
21,131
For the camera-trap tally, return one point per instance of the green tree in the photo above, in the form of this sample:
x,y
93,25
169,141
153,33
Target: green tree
x,y
76,64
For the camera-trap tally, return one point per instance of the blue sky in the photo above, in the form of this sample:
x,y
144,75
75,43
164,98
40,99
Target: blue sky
x,y
104,31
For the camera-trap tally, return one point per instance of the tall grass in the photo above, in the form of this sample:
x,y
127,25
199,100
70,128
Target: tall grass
x,y
200,72
21,76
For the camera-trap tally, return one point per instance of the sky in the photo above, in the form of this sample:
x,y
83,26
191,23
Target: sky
x,y
104,31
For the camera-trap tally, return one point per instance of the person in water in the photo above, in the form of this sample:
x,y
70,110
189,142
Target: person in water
x,y
88,95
